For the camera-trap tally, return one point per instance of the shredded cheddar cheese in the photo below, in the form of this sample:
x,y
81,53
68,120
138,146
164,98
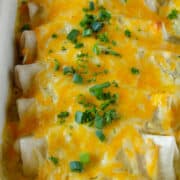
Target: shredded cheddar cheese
x,y
107,77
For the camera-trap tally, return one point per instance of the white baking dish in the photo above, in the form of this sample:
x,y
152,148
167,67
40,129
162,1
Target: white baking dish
x,y
7,22
7,56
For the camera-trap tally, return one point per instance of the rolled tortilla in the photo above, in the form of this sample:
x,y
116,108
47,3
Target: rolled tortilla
x,y
28,46
168,37
24,75
23,105
33,153
33,9
168,152
154,5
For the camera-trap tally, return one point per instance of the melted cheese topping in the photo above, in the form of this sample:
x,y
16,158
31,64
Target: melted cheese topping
x,y
143,95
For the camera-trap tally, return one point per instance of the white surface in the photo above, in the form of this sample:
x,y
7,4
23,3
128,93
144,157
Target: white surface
x,y
7,18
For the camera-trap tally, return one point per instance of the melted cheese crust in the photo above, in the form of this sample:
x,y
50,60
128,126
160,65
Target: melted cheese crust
x,y
140,95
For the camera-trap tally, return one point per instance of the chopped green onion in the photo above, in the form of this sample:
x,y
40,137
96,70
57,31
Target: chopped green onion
x,y
84,158
72,36
87,32
82,55
63,48
104,15
56,65
127,33
111,52
100,135
103,37
97,90
79,45
91,6
173,14
54,36
77,79
97,26
54,160
110,115
99,121
63,114
25,27
68,70
96,49
76,166
135,70
79,117
87,20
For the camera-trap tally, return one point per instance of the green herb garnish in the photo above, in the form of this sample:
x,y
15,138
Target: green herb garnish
x,y
76,166
135,71
68,70
26,27
103,37
173,14
127,33
79,45
87,32
63,114
100,135
72,36
97,91
84,158
56,65
54,36
54,160
77,78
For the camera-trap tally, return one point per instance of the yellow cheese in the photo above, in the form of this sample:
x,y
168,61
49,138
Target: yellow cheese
x,y
140,93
